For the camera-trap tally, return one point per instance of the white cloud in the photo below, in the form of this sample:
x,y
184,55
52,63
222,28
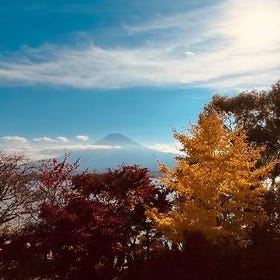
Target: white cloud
x,y
189,53
62,139
236,44
59,150
44,140
78,147
166,148
14,139
82,137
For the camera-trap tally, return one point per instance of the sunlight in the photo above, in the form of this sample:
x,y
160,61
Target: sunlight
x,y
254,24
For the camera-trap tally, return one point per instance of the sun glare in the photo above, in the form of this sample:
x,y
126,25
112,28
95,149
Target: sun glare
x,y
255,24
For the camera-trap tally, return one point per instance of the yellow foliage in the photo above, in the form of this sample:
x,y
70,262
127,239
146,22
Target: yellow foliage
x,y
218,188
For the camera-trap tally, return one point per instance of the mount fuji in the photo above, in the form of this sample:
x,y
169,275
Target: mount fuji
x,y
116,149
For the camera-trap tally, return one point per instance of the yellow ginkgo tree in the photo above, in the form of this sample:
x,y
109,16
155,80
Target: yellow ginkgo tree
x,y
217,186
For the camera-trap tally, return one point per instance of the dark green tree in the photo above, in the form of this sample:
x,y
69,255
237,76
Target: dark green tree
x,y
258,112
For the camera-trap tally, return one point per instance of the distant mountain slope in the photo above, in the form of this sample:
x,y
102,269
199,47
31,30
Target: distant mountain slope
x,y
116,139
129,152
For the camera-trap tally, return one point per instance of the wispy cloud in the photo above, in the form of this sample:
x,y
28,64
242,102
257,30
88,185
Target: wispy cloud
x,y
62,139
82,137
166,148
79,147
193,22
233,44
45,139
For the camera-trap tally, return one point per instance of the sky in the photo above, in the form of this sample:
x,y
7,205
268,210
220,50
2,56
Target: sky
x,y
72,72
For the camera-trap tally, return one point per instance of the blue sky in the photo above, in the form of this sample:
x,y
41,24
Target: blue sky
x,y
141,68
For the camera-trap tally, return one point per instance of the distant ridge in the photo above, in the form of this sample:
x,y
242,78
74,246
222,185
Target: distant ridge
x,y
117,139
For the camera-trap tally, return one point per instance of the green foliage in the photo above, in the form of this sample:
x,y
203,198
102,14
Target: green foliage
x,y
258,112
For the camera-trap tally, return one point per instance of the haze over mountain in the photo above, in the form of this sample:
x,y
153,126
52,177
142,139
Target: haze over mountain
x,y
121,150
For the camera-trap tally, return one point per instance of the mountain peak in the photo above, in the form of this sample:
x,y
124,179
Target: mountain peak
x,y
117,139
